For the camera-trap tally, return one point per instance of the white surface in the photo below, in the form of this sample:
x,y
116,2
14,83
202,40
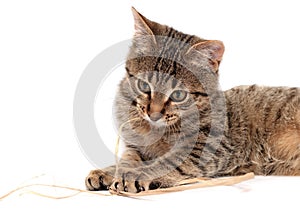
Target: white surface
x,y
45,46
261,196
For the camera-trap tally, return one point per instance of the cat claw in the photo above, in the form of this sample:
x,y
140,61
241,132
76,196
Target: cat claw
x,y
129,186
98,180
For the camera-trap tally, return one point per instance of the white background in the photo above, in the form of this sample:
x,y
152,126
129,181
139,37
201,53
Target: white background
x,y
46,45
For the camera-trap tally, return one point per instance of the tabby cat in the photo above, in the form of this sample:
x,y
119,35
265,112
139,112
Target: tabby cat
x,y
178,124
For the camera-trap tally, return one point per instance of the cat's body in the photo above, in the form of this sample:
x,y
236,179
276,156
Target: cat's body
x,y
265,123
177,123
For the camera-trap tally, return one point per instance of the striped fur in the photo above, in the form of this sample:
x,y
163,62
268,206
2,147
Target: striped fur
x,y
210,133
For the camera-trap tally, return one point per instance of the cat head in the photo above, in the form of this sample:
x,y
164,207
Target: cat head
x,y
154,39
168,73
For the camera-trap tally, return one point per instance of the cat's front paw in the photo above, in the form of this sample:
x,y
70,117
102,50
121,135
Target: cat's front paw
x,y
134,182
98,180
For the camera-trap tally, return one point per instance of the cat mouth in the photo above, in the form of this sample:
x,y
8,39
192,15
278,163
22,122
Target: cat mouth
x,y
156,120
161,120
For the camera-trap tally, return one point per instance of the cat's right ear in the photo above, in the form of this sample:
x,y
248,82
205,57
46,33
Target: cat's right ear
x,y
142,25
210,49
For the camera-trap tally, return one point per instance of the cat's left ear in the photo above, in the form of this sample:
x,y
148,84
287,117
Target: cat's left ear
x,y
212,50
142,25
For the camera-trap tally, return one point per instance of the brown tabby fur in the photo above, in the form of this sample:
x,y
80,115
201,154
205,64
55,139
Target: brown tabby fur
x,y
211,133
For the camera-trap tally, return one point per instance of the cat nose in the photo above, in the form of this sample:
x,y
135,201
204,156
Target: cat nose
x,y
155,116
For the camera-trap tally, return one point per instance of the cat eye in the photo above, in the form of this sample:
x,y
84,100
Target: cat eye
x,y
178,96
143,86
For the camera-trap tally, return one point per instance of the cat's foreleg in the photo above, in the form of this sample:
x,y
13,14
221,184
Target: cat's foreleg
x,y
135,176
